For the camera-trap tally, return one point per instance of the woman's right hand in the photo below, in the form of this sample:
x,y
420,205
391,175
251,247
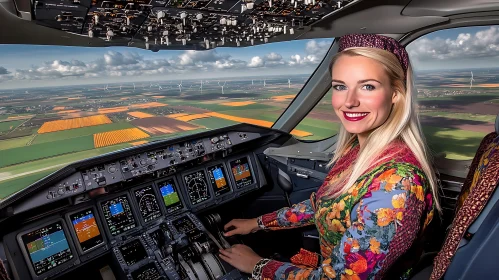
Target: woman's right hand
x,y
241,226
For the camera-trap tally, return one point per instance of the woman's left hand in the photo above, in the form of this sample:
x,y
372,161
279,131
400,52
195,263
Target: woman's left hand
x,y
241,257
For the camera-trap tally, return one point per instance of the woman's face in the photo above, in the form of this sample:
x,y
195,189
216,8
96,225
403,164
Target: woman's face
x,y
362,95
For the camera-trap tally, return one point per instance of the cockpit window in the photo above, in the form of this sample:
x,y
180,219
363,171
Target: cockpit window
x,y
457,80
63,104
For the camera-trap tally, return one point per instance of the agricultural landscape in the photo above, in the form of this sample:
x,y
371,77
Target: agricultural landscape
x,y
43,129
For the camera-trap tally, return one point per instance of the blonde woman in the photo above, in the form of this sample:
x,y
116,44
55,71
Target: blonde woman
x,y
373,207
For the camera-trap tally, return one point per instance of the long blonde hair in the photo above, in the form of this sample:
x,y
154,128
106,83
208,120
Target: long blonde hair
x,y
402,123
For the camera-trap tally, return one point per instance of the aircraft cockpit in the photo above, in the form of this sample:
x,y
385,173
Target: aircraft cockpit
x,y
132,131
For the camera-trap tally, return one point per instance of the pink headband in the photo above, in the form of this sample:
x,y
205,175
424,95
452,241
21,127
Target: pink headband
x,y
379,42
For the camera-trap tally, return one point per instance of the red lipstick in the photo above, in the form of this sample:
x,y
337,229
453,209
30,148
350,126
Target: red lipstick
x,y
354,116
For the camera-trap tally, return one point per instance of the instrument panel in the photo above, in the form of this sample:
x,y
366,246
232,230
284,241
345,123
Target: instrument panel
x,y
147,186
184,24
54,247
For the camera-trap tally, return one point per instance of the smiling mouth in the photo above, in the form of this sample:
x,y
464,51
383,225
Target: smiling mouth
x,y
349,116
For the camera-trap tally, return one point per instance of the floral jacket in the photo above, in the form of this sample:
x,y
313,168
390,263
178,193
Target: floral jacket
x,y
362,232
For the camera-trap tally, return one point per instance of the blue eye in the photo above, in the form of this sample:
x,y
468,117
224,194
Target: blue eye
x,y
368,87
339,87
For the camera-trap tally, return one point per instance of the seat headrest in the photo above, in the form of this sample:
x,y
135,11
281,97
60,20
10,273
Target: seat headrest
x,y
497,124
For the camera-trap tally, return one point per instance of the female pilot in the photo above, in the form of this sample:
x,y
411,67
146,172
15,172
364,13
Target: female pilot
x,y
381,192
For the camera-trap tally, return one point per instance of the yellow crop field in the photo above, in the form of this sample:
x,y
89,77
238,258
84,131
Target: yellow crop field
x,y
238,103
124,98
118,136
20,117
75,98
296,132
139,143
283,97
58,108
73,123
68,111
158,96
113,110
140,115
192,117
147,105
173,116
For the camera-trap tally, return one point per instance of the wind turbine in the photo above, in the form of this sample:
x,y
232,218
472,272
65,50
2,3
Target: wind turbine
x,y
471,81
251,82
180,86
106,87
289,83
120,87
159,87
201,86
133,86
222,86
264,83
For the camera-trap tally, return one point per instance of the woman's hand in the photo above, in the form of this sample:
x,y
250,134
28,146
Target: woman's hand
x,y
241,226
241,257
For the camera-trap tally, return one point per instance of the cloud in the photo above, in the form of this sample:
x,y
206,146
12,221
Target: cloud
x,y
256,61
3,71
482,44
131,64
317,48
307,60
273,56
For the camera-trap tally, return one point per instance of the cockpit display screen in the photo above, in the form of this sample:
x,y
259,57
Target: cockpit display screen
x,y
148,205
86,229
170,195
47,247
242,172
146,272
133,252
218,178
118,215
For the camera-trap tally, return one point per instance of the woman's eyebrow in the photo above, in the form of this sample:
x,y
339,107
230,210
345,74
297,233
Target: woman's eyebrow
x,y
359,82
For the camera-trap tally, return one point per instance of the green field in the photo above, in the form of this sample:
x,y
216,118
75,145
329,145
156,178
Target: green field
x,y
457,144
78,132
213,123
7,126
11,185
44,150
14,143
462,116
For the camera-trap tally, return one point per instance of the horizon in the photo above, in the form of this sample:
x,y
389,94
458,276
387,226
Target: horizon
x,y
229,78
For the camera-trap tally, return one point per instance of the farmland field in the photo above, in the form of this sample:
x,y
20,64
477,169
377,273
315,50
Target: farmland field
x,y
114,137
7,126
77,132
43,150
59,125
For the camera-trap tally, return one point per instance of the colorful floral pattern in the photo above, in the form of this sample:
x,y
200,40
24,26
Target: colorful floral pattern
x,y
387,203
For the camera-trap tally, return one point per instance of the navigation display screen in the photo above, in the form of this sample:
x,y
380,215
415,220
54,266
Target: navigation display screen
x,y
118,215
133,252
148,204
87,231
47,247
197,187
146,272
218,178
242,172
170,196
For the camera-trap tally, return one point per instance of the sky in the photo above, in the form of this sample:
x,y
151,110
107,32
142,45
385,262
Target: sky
x,y
24,66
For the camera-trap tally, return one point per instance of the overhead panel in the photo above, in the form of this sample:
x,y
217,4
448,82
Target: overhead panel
x,y
185,24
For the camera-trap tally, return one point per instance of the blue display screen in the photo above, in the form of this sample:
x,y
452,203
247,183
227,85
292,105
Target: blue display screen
x,y
116,209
